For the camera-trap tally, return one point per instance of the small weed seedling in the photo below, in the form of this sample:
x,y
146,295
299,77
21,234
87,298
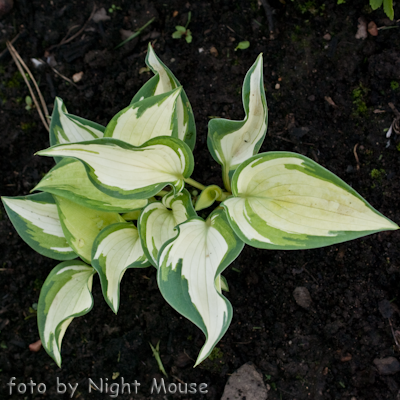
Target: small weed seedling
x,y
242,45
184,31
117,199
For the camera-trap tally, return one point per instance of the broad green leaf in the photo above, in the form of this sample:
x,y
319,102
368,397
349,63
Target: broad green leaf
x,y
116,248
128,172
164,81
207,197
287,201
158,221
188,267
146,119
65,294
81,225
232,142
375,4
35,218
70,180
388,8
67,128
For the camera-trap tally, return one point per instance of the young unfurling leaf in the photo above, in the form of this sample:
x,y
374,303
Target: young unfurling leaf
x,y
232,142
164,81
158,221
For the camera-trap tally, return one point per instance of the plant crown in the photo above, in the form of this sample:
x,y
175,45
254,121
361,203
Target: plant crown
x,y
116,199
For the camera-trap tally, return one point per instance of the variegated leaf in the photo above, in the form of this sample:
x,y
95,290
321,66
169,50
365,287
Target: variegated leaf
x,y
158,220
287,201
128,172
67,128
165,81
65,294
149,118
69,179
232,142
188,267
35,218
116,248
81,225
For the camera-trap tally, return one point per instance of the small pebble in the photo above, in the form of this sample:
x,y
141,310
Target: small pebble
x,y
77,77
214,51
277,86
246,383
302,296
327,36
35,347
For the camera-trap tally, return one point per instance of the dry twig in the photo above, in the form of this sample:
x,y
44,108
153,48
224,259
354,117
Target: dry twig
x,y
67,39
356,156
21,66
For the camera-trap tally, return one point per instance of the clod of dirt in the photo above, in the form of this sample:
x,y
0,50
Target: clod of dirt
x,y
97,58
246,383
5,7
302,296
385,308
362,29
214,51
182,360
35,347
372,29
387,366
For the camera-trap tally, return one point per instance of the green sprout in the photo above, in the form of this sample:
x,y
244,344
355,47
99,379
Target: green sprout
x,y
28,102
394,85
114,8
387,6
183,31
137,33
242,45
156,354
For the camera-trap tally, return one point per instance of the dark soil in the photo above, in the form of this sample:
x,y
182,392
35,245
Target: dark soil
x,y
333,96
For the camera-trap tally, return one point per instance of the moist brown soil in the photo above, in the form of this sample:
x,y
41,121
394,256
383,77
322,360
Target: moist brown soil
x,y
326,351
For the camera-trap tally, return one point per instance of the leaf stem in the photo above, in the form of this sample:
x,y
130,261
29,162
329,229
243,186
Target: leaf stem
x,y
194,183
162,193
225,178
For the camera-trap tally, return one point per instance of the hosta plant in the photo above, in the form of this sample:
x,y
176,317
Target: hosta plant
x,y
118,198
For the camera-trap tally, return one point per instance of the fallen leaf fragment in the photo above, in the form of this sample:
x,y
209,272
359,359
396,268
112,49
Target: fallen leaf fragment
x,y
175,13
362,29
101,15
77,77
125,34
373,29
35,347
330,101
